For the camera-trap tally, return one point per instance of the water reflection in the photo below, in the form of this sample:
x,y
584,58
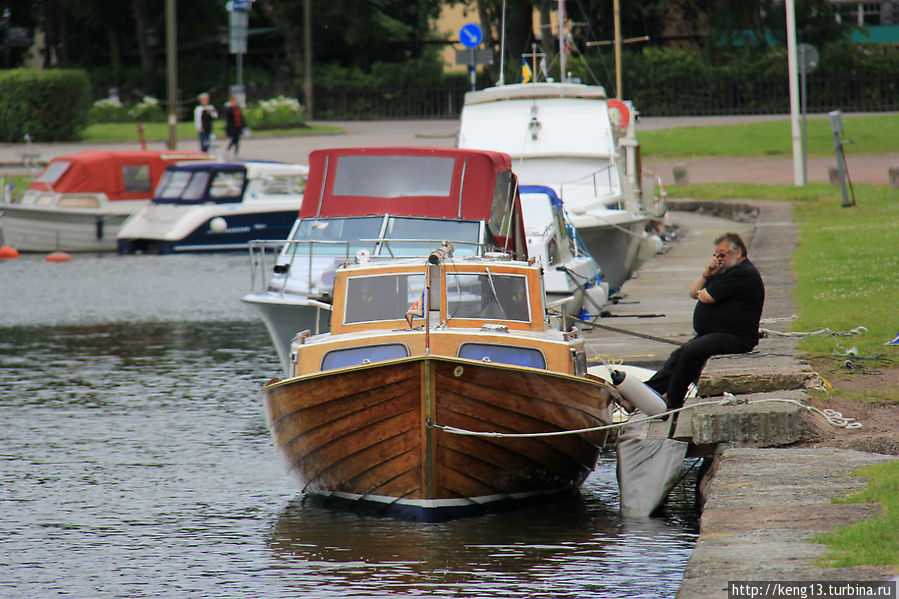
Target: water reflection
x,y
136,463
576,547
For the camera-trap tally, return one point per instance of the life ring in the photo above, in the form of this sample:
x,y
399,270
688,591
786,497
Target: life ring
x,y
623,111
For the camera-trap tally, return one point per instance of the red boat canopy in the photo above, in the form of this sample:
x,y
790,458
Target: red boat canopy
x,y
450,183
120,174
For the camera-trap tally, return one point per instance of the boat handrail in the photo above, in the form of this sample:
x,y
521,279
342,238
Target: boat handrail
x,y
259,247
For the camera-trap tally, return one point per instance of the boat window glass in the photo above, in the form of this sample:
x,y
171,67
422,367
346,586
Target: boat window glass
x,y
227,185
493,296
394,176
172,184
336,229
373,298
504,354
354,356
196,189
136,178
501,211
537,211
53,172
284,184
78,202
45,200
432,233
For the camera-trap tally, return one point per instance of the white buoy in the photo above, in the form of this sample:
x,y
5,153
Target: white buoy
x,y
642,397
218,225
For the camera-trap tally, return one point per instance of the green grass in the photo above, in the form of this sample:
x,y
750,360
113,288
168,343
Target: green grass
x,y
847,263
872,542
102,132
870,134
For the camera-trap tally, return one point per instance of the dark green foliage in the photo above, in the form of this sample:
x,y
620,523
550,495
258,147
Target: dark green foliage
x,y
47,105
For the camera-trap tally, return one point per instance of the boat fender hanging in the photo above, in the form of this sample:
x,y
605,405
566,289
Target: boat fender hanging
x,y
218,225
644,398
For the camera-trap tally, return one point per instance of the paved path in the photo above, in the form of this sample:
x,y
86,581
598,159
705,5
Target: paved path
x,y
442,133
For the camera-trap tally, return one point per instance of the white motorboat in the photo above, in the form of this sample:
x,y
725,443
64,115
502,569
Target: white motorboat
x,y
561,135
570,272
216,206
79,201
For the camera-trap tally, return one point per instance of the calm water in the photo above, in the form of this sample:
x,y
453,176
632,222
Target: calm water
x,y
136,463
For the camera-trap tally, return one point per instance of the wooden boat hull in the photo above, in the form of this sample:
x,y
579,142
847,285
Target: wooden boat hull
x,y
365,434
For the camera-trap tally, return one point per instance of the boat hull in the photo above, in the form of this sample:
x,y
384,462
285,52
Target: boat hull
x,y
284,316
615,248
31,229
364,434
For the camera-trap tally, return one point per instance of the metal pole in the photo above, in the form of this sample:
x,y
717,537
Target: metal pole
x,y
307,41
803,72
799,176
171,67
617,17
562,57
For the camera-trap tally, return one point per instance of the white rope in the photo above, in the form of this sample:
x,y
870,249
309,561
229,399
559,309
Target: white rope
x,y
833,417
825,331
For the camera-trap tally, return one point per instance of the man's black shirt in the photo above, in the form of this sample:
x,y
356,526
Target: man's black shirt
x,y
739,295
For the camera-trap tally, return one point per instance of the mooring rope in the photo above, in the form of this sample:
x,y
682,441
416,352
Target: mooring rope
x,y
833,417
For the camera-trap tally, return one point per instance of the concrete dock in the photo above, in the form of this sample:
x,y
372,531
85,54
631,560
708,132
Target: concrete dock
x,y
762,499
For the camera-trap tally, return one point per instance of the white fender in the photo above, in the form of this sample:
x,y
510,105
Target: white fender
x,y
644,398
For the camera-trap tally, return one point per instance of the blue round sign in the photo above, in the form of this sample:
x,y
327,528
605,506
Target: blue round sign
x,y
470,35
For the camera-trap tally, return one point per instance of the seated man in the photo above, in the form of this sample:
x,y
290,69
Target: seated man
x,y
730,295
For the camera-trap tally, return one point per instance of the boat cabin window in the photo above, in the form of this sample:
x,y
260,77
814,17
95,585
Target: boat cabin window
x,y
371,298
504,354
354,356
538,212
196,189
487,295
402,233
53,172
337,230
172,184
136,178
394,176
227,185
283,184
78,202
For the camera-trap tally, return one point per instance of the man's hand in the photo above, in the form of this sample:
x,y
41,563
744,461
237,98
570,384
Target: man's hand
x,y
713,267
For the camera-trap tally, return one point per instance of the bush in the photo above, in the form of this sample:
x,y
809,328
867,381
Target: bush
x,y
147,110
277,113
49,105
108,110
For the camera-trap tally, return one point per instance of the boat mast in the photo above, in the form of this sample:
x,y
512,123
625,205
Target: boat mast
x,y
616,14
562,57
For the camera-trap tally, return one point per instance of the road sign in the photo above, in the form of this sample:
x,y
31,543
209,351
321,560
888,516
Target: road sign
x,y
474,56
239,5
808,57
470,35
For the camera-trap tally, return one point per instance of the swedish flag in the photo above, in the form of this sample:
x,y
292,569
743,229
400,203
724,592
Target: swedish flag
x,y
525,71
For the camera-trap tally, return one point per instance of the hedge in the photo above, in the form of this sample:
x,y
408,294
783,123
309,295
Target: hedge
x,y
50,105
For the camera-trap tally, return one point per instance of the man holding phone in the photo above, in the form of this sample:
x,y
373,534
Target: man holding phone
x,y
730,295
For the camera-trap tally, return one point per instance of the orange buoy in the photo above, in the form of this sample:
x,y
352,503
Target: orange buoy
x,y
58,257
8,252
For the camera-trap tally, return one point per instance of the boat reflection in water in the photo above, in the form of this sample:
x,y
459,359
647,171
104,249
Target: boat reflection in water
x,y
572,547
371,411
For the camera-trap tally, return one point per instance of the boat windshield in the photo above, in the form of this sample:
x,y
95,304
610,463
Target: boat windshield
x,y
487,295
190,187
537,212
394,176
337,230
374,298
53,172
402,236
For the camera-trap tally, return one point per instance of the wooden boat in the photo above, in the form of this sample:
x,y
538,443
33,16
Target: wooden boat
x,y
79,201
370,413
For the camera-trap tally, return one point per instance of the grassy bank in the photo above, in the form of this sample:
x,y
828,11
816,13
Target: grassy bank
x,y
869,135
875,541
124,132
846,265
